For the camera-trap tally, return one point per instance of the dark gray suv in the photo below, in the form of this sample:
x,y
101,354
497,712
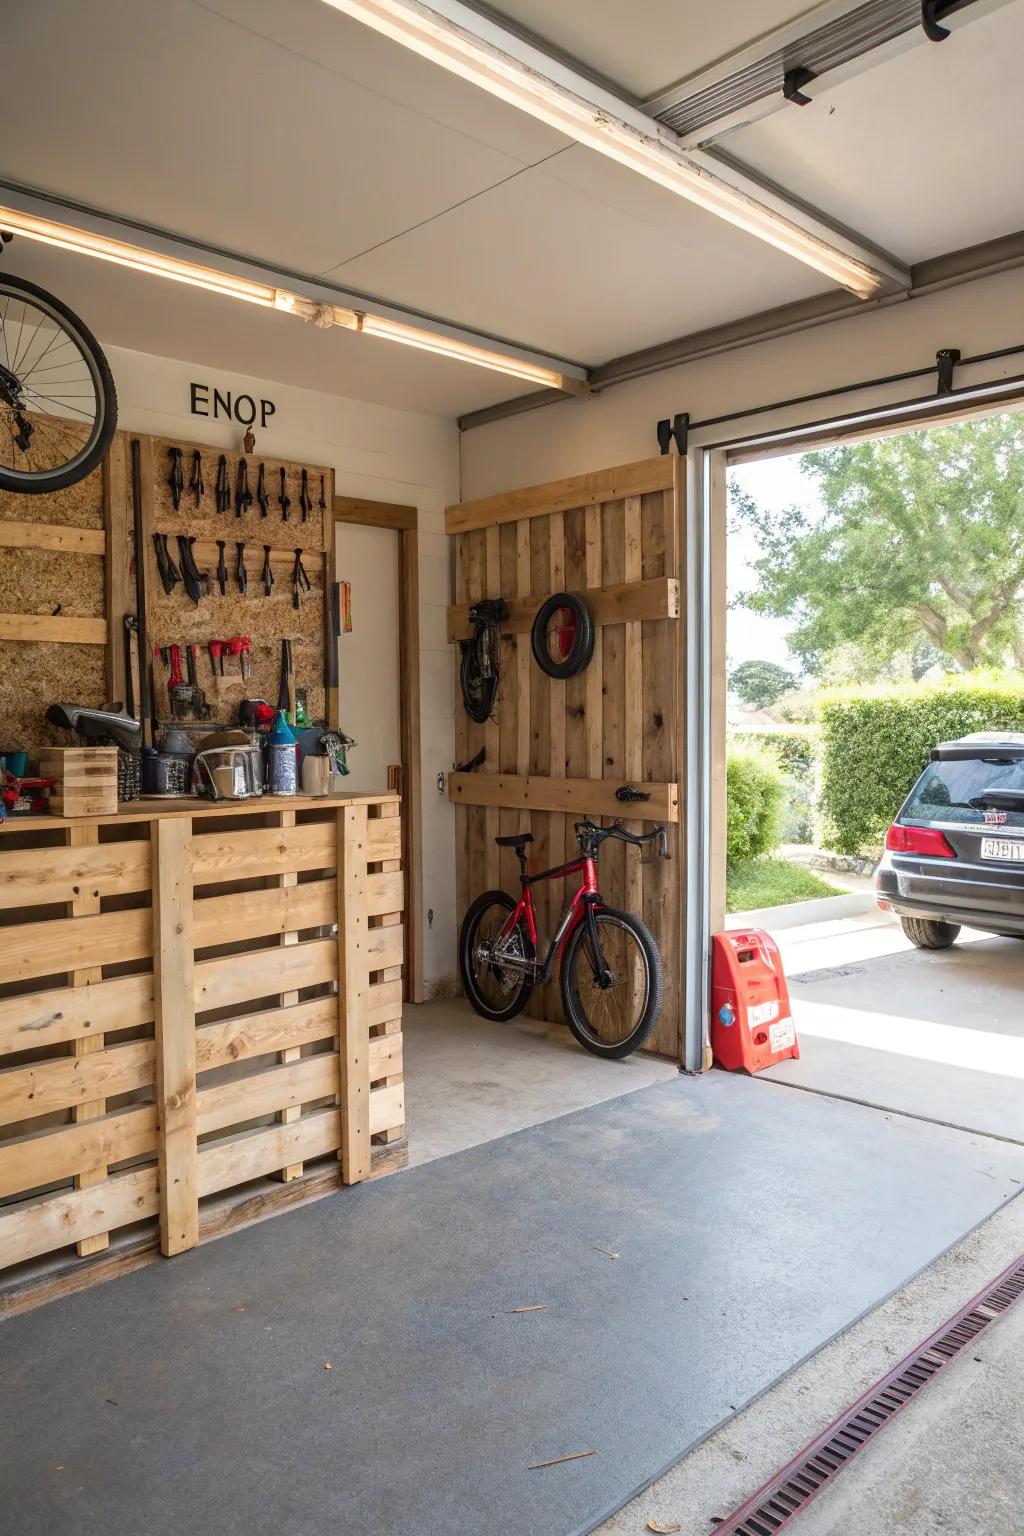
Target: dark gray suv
x,y
955,853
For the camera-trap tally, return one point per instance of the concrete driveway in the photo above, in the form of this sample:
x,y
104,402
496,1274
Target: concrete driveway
x,y
933,1033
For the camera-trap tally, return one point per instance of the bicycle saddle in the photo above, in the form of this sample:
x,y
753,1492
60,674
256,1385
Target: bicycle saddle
x,y
518,840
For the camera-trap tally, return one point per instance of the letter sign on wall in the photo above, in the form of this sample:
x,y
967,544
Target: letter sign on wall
x,y
223,403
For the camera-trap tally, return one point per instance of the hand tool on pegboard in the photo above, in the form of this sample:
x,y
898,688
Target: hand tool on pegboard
x,y
240,646
195,478
261,490
169,573
176,480
240,570
216,652
200,708
322,503
300,581
146,704
243,495
197,583
305,500
222,487
222,570
268,574
283,500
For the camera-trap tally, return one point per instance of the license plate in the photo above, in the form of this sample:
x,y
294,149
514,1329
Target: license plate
x,y
1006,848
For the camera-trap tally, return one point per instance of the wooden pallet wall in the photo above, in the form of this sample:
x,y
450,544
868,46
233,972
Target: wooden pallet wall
x,y
557,750
190,1008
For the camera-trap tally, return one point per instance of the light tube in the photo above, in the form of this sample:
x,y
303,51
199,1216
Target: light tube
x,y
641,144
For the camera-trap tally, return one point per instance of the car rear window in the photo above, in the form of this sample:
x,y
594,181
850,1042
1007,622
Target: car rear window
x,y
945,790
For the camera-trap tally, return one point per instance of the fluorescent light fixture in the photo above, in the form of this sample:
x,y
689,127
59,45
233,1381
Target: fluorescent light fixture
x,y
470,45
85,243
324,315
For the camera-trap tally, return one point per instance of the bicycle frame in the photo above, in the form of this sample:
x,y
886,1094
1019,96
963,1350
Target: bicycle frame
x,y
580,909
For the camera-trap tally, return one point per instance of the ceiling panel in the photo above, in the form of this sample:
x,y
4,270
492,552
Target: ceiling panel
x,y
256,137
920,154
646,47
583,259
132,310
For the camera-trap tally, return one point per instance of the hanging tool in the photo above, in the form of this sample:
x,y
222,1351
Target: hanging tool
x,y
222,570
200,708
261,490
222,488
305,500
286,668
216,650
240,646
195,478
243,495
299,578
240,571
132,688
169,573
331,639
138,568
178,692
283,501
322,503
197,583
175,479
268,575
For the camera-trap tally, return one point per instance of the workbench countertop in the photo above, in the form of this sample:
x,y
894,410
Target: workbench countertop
x,y
148,809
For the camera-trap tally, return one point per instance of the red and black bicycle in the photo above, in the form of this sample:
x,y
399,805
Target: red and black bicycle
x,y
611,969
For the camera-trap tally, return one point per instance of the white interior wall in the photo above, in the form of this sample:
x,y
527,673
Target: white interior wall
x,y
618,426
376,452
368,656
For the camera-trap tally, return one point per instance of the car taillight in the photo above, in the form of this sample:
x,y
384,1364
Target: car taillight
x,y
926,840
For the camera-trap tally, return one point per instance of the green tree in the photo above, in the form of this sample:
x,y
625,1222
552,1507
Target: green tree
x,y
760,683
919,543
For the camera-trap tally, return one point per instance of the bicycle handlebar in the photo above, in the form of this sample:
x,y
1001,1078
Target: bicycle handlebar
x,y
638,839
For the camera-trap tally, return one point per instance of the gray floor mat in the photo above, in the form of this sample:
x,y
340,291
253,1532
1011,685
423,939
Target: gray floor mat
x,y
751,1224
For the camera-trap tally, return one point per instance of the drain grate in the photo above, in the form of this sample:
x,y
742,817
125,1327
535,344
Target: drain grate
x,y
792,1489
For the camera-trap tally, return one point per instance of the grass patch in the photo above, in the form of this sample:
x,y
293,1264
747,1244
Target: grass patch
x,y
771,882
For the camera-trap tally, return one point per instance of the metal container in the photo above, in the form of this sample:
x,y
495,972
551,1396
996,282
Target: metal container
x,y
226,773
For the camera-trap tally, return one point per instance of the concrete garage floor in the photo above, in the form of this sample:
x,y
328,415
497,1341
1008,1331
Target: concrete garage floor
x,y
954,1460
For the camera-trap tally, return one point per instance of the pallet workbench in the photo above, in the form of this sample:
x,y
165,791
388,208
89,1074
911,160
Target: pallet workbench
x,y
200,1023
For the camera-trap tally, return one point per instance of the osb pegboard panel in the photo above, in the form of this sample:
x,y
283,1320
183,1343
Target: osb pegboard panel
x,y
175,619
35,675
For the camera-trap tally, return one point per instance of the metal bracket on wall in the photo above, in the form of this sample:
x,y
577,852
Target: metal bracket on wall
x,y
931,10
793,82
675,430
946,360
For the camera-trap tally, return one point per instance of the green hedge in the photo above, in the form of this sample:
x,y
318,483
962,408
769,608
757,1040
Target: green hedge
x,y
876,741
794,750
756,790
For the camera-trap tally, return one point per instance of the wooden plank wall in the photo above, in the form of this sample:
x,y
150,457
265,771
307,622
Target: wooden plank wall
x,y
171,1031
614,538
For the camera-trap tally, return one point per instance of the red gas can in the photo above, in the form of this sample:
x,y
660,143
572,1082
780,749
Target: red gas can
x,y
751,1023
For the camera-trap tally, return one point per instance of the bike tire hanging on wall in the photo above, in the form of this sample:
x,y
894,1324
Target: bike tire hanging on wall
x,y
574,636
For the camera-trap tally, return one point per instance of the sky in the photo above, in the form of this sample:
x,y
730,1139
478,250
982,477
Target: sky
x,y
774,484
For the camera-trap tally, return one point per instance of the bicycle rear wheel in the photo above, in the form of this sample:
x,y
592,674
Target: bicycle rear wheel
x,y
612,1021
58,406
496,991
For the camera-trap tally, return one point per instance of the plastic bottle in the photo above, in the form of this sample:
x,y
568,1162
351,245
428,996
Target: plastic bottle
x,y
282,752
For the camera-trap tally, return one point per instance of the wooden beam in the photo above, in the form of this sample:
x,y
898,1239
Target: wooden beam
x,y
59,628
409,726
353,984
626,602
118,578
72,541
562,495
375,514
577,797
175,1034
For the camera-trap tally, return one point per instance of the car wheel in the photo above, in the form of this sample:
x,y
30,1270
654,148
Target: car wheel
x,y
927,934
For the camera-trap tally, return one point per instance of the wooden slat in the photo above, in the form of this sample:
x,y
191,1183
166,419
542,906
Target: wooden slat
x,y
267,1092
285,1000
386,1056
46,1157
73,541
43,1086
576,797
239,978
255,1153
353,967
262,851
175,1035
412,767
66,1013
119,590
260,1034
40,875
595,672
384,947
58,627
561,495
374,514
633,708
636,600
86,902
38,1227
68,943
385,892
383,839
384,1003
387,1108
258,914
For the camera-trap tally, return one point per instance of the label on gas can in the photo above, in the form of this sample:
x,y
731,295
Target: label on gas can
x,y
782,1034
763,1013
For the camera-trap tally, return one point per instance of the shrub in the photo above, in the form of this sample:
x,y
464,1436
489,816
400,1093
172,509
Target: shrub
x,y
794,751
875,742
756,789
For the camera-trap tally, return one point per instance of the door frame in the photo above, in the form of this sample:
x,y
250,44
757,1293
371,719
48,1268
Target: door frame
x,y
404,521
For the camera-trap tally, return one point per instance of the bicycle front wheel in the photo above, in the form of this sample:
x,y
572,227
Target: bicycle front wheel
x,y
58,407
614,1019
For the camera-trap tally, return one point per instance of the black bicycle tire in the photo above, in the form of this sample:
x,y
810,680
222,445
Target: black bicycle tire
x,y
94,450
655,992
466,933
477,695
581,654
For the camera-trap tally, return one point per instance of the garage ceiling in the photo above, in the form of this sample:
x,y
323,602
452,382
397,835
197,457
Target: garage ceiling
x,y
294,135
